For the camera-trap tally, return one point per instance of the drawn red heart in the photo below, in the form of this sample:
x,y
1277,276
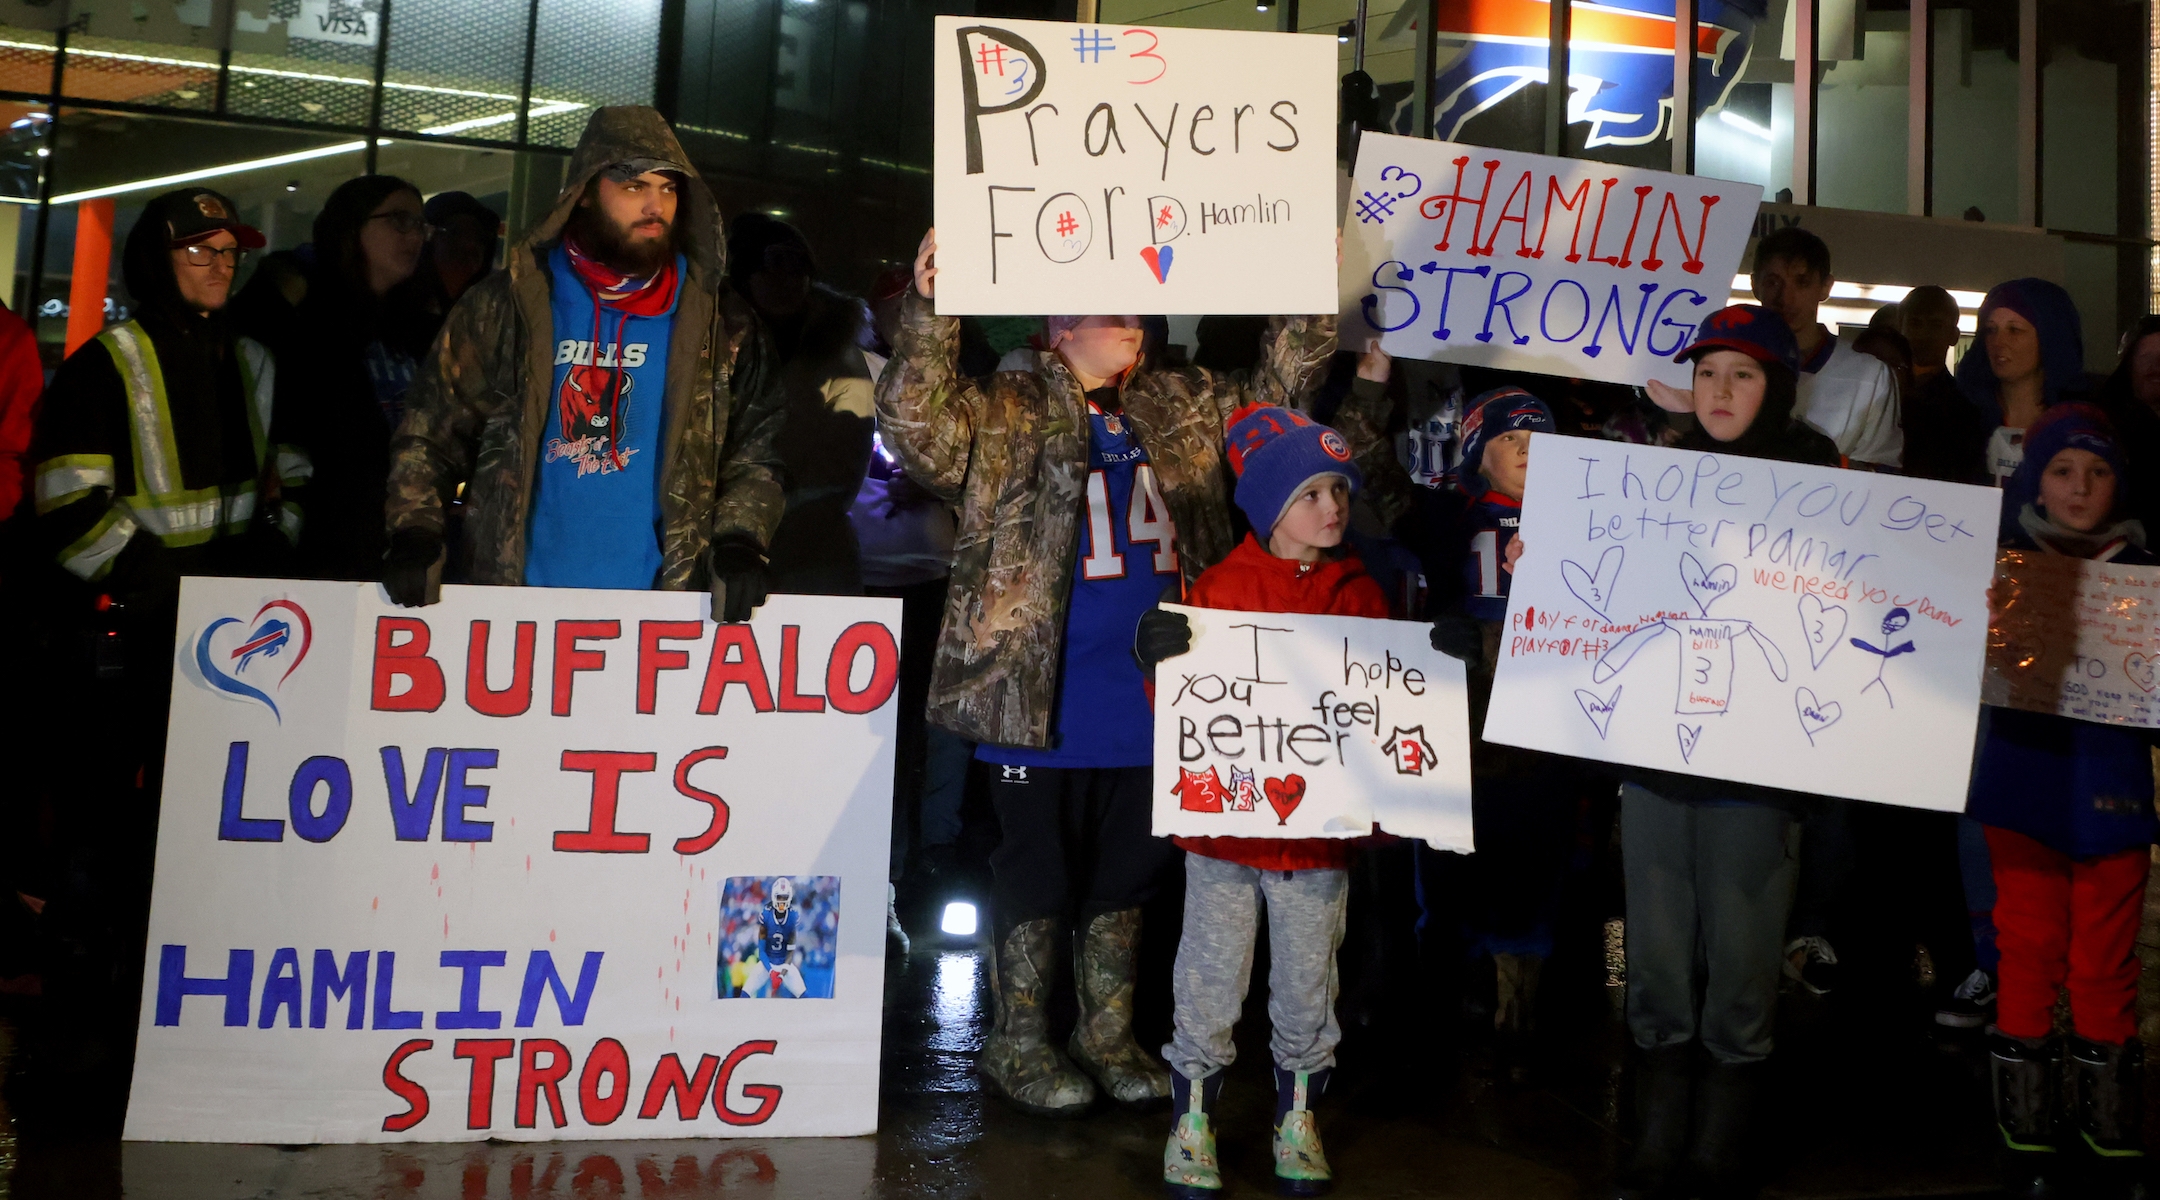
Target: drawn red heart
x,y
1284,795
1158,261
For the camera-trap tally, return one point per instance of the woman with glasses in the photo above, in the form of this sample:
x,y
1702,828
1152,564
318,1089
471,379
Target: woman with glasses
x,y
348,346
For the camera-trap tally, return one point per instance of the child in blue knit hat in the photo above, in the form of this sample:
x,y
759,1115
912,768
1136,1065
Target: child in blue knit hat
x,y
1295,480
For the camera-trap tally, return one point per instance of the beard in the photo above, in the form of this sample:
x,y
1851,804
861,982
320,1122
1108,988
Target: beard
x,y
634,253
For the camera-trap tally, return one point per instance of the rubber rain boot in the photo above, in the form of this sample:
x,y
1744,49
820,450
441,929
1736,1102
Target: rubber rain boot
x,y
1664,1116
2109,1085
1189,1167
1017,1058
2026,1077
1102,1043
1726,1098
1301,1166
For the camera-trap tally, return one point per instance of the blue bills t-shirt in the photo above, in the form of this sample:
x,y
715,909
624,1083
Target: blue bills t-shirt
x,y
1127,555
596,497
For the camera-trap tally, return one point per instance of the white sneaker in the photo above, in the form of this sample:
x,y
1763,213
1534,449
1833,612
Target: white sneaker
x,y
1816,965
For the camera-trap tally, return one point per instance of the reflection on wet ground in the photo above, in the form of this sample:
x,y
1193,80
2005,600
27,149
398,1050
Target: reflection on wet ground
x,y
1867,1105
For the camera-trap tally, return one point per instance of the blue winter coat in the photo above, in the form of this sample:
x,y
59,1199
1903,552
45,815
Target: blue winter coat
x,y
2078,787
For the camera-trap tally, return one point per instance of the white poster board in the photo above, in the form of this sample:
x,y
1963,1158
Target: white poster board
x,y
498,868
1289,725
1561,266
2076,638
1791,626
1120,169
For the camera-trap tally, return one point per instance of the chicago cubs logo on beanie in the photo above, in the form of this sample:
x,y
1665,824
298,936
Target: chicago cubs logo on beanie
x,y
1754,331
1501,410
1274,450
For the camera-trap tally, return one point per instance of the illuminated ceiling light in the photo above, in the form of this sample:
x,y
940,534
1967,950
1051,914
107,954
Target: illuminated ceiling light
x,y
1741,123
1347,31
171,181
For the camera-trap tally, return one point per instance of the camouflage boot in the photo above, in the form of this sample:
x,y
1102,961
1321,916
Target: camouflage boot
x,y
1017,1058
1102,1041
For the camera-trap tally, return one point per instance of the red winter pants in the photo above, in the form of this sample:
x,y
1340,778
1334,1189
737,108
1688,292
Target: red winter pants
x,y
2060,920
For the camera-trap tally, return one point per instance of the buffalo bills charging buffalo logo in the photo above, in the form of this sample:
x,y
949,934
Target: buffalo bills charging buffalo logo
x,y
594,411
254,657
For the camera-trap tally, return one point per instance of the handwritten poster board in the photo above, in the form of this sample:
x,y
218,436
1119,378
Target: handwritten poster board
x,y
1120,169
1561,266
1792,626
512,866
1281,725
2077,638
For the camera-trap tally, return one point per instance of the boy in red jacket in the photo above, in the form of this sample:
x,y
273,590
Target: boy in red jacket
x,y
1294,482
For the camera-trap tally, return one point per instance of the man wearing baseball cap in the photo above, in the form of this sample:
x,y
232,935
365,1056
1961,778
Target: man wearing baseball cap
x,y
154,460
607,401
153,447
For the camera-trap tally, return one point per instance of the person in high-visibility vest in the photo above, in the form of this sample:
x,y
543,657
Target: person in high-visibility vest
x,y
154,460
153,449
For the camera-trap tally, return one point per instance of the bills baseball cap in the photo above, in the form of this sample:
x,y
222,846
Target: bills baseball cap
x,y
192,214
1754,331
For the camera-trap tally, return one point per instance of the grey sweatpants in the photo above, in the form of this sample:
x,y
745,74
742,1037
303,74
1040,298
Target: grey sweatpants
x,y
1214,963
1709,888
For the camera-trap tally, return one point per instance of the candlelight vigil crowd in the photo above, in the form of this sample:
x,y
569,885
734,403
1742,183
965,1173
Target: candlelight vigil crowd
x,y
642,391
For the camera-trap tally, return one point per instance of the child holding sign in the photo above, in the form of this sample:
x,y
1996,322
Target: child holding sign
x,y
1295,478
2068,809
1711,866
1088,484
1523,802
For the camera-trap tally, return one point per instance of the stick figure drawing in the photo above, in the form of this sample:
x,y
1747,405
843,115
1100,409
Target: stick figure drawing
x,y
1893,621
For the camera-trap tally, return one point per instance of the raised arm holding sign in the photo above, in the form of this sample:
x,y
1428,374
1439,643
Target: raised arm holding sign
x,y
1105,168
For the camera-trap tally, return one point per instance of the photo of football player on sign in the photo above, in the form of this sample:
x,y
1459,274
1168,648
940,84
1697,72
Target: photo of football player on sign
x,y
778,936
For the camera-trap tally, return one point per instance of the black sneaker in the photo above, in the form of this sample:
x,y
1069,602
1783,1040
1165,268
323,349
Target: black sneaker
x,y
1811,963
1971,1004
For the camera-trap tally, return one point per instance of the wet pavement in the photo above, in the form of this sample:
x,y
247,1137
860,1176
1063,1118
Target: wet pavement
x,y
1868,1103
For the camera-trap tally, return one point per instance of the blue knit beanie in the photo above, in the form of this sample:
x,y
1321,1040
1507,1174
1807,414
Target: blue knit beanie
x,y
1501,410
1274,451
2065,427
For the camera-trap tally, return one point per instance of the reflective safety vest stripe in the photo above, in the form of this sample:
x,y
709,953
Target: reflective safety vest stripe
x,y
159,504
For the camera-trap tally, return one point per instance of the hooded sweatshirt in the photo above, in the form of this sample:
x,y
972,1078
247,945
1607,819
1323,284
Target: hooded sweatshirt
x,y
1250,579
2081,788
85,414
2137,428
479,409
2062,364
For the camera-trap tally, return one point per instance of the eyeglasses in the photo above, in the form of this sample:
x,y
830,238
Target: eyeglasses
x,y
203,256
405,222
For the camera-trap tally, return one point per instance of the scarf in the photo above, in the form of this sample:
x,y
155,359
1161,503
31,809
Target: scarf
x,y
626,296
2102,543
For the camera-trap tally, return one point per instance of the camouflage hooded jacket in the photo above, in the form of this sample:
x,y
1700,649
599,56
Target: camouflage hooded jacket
x,y
480,405
1012,451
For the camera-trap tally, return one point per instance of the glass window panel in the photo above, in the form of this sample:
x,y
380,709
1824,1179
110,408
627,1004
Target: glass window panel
x,y
26,47
133,72
1745,133
1863,106
303,60
275,178
1976,109
456,66
590,53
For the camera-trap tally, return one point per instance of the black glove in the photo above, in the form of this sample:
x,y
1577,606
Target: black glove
x,y
1162,634
144,577
1461,638
412,571
737,567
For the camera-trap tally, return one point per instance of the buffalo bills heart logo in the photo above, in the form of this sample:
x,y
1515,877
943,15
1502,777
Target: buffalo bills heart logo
x,y
1158,261
1284,795
242,658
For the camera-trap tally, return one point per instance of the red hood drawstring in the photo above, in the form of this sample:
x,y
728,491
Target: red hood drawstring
x,y
632,297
